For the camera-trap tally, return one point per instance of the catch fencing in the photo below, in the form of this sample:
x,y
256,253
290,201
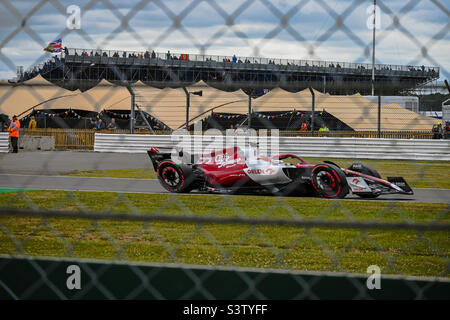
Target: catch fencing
x,y
50,278
197,246
357,148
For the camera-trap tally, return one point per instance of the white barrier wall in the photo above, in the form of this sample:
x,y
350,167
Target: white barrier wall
x,y
4,142
356,148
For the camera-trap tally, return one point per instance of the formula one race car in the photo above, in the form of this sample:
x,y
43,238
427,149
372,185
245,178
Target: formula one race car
x,y
239,170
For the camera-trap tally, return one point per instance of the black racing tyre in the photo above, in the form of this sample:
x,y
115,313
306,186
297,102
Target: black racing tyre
x,y
329,181
172,178
365,169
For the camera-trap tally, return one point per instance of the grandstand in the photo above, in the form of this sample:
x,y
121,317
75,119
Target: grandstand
x,y
83,69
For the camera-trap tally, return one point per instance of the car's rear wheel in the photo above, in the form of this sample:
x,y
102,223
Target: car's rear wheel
x,y
172,178
329,181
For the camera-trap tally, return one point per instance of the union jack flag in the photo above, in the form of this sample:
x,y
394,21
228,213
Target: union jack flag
x,y
54,46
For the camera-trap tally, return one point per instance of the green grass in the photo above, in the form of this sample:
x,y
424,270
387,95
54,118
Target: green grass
x,y
263,246
418,174
115,173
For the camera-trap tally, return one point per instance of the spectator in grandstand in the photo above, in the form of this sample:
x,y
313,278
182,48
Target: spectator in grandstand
x,y
113,125
32,124
99,125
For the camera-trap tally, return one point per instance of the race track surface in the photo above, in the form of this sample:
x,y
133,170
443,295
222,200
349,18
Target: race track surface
x,y
40,182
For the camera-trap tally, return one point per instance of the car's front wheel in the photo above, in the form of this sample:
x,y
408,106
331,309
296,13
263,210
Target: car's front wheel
x,y
329,181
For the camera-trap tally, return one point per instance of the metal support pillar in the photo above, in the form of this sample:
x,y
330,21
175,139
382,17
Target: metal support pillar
x,y
379,116
313,107
188,104
131,109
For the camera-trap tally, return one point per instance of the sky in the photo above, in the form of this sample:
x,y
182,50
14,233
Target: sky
x,y
411,32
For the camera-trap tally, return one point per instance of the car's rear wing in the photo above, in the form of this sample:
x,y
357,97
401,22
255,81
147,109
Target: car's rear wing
x,y
157,156
160,154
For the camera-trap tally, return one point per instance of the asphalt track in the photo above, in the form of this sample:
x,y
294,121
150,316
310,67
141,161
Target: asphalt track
x,y
40,171
41,182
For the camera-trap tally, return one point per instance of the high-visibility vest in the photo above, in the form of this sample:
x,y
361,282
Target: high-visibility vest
x,y
14,129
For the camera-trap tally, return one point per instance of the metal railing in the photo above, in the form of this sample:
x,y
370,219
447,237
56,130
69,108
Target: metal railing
x,y
244,59
84,138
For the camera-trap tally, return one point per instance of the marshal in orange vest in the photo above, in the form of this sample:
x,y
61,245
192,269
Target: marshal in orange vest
x,y
14,128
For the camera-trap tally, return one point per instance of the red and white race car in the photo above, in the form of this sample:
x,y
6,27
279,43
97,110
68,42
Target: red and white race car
x,y
239,170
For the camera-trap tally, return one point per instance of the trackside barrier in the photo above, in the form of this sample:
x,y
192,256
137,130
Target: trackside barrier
x,y
354,148
47,278
4,142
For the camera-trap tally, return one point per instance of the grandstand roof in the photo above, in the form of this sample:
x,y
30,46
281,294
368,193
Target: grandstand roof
x,y
354,110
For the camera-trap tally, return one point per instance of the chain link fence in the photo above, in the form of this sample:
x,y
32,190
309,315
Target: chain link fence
x,y
107,213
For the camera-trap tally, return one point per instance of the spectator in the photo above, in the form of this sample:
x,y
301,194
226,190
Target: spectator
x,y
113,125
91,124
14,133
437,131
99,125
4,122
32,124
153,54
447,130
324,128
168,55
66,51
304,126
124,54
234,58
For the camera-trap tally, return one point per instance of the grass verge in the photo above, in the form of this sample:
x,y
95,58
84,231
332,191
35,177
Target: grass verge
x,y
324,249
